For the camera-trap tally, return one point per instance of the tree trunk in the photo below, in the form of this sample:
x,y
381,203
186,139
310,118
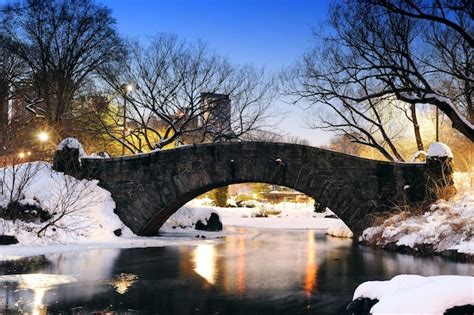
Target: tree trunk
x,y
416,128
3,112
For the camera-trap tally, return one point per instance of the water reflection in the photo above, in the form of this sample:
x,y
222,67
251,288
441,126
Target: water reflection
x,y
311,277
256,271
204,258
38,283
123,282
241,267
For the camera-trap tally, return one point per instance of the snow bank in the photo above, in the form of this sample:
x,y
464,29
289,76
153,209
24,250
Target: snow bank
x,y
340,231
413,294
186,218
439,149
80,209
448,225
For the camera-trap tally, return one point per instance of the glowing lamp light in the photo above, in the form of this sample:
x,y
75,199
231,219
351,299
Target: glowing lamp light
x,y
43,136
21,155
126,88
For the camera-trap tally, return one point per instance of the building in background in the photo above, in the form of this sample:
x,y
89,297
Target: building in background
x,y
217,113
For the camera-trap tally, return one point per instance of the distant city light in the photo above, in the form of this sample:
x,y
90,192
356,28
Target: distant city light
x,y
43,136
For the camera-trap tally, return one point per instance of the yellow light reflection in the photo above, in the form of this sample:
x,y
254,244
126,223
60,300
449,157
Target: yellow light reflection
x,y
311,277
205,262
241,267
39,284
123,282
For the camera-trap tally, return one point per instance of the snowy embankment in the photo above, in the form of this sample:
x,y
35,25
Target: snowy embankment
x,y
413,294
80,210
448,226
284,216
76,214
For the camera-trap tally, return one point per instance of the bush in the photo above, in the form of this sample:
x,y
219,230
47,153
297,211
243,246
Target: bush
x,y
220,196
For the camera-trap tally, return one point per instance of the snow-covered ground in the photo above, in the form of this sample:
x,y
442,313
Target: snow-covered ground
x,y
448,225
413,294
82,210
285,216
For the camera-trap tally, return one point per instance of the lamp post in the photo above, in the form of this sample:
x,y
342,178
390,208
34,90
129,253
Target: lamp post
x,y
126,88
43,137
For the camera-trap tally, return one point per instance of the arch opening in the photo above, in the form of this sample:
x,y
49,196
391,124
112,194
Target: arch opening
x,y
239,204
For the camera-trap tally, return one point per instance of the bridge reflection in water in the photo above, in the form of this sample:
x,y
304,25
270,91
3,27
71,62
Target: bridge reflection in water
x,y
247,272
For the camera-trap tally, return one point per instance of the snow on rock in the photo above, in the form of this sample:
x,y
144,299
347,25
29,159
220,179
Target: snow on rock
x,y
80,209
413,294
447,225
186,218
71,143
340,231
439,149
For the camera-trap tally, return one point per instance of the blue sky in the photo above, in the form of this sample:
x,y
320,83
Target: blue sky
x,y
269,33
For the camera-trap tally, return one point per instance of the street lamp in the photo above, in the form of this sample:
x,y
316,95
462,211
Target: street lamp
x,y
43,136
126,88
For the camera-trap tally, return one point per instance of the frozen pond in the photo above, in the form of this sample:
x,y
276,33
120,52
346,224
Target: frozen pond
x,y
252,271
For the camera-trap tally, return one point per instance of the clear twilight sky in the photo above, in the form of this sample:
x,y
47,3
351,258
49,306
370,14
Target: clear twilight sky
x,y
269,33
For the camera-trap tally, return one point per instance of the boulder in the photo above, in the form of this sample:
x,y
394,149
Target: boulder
x,y
361,306
212,224
24,212
8,240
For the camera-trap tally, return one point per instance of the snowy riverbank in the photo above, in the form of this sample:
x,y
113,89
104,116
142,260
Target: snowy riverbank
x,y
284,216
446,228
413,294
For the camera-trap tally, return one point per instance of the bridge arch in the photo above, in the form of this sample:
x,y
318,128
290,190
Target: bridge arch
x,y
149,188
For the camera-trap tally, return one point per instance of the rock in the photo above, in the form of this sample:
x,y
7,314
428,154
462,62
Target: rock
x,y
331,216
8,240
212,224
68,157
118,232
319,208
361,306
24,212
460,310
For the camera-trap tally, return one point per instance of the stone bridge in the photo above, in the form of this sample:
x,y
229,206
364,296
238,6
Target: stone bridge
x,y
149,188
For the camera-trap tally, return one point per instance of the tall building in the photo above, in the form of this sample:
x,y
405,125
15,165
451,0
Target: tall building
x,y
217,113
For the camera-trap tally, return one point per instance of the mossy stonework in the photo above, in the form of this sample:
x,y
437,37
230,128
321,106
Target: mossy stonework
x,y
149,188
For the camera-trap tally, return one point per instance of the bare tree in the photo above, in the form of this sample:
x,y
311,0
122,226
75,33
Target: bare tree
x,y
69,205
273,136
12,70
377,62
181,93
63,43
